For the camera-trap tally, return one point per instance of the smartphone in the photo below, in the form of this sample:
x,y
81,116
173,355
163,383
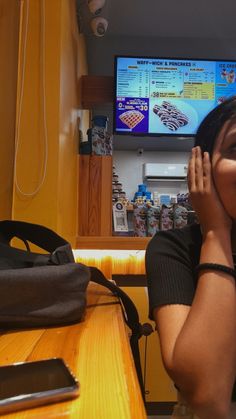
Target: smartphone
x,y
29,384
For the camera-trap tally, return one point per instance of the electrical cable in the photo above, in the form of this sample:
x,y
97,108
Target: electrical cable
x,y
147,329
145,364
42,62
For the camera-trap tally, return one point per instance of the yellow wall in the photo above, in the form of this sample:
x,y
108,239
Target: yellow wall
x,y
52,58
9,30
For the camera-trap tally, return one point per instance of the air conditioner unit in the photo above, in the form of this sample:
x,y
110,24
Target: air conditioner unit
x,y
164,171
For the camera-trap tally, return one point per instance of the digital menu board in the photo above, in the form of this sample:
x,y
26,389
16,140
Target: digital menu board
x,y
167,96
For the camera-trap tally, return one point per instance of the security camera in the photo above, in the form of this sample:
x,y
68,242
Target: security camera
x,y
140,151
99,26
95,6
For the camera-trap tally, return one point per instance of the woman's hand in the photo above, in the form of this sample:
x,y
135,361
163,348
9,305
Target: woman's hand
x,y
203,195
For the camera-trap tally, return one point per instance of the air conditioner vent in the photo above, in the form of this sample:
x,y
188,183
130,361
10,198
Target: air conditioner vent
x,y
165,171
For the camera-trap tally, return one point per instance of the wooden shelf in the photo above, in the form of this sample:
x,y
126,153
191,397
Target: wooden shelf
x,y
112,242
95,199
96,90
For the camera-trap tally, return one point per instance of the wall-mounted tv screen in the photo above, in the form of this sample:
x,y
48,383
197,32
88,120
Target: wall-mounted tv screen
x,y
168,96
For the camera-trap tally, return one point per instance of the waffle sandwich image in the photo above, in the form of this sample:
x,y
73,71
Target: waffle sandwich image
x,y
131,118
170,116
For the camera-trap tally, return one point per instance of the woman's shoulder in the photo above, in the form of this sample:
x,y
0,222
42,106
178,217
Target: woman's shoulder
x,y
170,260
189,235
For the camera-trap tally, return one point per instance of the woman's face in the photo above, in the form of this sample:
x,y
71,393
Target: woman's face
x,y
224,166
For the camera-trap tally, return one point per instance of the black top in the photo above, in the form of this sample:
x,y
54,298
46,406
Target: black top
x,y
171,258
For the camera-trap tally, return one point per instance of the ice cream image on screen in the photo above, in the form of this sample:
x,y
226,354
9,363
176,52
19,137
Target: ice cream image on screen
x,y
170,115
131,118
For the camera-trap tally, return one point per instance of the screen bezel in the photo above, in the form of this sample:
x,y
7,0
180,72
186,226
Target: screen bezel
x,y
166,135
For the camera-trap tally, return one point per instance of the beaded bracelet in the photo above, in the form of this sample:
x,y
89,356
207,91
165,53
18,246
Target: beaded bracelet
x,y
216,267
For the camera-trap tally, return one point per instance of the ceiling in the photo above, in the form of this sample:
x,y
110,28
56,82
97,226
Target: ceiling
x,y
156,18
183,28
173,28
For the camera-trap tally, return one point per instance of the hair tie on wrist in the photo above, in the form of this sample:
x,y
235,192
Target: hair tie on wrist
x,y
216,267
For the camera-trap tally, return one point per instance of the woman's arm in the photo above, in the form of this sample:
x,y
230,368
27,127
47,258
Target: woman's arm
x,y
198,343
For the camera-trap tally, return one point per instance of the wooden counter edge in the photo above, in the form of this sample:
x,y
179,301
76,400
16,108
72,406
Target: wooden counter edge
x,y
112,242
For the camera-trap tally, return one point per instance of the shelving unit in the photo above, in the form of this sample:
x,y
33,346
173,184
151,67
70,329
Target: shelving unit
x,y
95,208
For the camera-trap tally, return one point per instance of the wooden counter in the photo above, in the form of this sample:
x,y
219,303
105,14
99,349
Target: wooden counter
x,y
98,352
112,242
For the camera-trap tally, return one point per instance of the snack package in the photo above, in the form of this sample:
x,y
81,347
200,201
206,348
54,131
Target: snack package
x,y
180,216
166,219
108,144
120,221
101,142
153,220
140,220
98,141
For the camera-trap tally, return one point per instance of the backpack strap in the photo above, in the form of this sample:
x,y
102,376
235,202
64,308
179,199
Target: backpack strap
x,y
131,318
60,251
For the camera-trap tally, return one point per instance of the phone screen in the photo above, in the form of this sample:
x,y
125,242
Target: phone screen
x,y
25,379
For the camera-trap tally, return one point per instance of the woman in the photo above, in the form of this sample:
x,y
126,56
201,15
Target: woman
x,y
191,276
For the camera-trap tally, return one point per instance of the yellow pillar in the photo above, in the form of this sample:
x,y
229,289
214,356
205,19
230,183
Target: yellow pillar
x,y
51,60
9,33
